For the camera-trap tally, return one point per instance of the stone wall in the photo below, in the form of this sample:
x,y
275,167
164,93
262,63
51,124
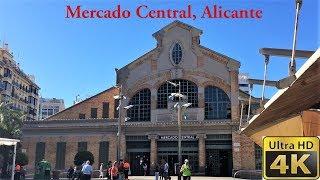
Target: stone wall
x,y
29,143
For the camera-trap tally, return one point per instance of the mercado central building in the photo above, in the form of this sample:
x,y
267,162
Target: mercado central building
x,y
149,130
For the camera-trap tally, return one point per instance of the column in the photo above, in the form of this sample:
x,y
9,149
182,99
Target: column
x,y
236,153
234,95
153,151
202,153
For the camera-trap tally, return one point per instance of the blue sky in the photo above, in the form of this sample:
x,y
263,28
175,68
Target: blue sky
x,y
76,56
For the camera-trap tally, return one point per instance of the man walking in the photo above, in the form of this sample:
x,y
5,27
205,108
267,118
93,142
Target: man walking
x,y
86,171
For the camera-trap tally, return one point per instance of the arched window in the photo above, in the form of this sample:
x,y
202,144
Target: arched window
x,y
217,104
188,88
176,53
141,109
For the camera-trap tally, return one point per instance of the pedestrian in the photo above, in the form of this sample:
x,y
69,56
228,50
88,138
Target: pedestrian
x,y
17,173
185,170
161,170
109,170
145,168
114,173
121,170
165,170
127,169
86,171
70,173
101,171
156,171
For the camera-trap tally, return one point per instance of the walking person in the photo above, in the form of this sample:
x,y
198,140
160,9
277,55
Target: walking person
x,y
127,170
156,172
17,173
101,171
185,170
145,168
121,170
70,173
114,171
165,170
161,170
86,171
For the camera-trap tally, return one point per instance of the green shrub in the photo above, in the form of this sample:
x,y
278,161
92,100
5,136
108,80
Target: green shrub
x,y
22,159
82,157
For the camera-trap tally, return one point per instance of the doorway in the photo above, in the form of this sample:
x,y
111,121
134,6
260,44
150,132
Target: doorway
x,y
219,162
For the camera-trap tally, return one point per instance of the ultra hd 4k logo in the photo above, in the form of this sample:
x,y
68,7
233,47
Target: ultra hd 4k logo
x,y
291,157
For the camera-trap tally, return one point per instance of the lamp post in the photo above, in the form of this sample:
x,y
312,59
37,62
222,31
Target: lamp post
x,y
179,105
120,97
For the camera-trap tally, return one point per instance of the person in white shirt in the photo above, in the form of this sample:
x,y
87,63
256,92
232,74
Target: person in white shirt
x,y
101,171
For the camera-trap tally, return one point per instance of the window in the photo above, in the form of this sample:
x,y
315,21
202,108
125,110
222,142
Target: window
x,y
176,53
258,156
116,112
60,155
142,106
188,88
217,104
82,116
94,112
104,152
50,112
40,150
105,110
82,146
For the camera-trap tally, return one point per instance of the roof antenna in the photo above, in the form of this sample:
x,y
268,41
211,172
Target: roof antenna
x,y
292,64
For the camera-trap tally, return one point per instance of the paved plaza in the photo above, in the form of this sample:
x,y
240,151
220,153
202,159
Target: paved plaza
x,y
172,177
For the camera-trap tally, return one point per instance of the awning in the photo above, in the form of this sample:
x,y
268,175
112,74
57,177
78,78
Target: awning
x,y
283,114
11,142
8,142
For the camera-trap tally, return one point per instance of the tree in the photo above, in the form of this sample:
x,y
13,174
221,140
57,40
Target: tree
x,y
11,122
83,156
22,159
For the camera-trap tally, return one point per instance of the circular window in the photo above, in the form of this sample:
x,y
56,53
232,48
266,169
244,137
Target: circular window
x,y
176,53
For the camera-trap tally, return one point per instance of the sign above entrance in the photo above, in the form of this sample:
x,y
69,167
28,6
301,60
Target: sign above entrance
x,y
175,138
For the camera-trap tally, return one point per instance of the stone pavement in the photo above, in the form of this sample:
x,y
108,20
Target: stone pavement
x,y
173,178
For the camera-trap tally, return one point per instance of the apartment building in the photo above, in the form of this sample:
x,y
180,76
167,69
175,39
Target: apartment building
x,y
18,90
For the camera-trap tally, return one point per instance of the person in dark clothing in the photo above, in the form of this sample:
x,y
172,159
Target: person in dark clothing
x,y
156,172
70,173
121,170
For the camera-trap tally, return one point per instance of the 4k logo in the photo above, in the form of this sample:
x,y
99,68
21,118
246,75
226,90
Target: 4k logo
x,y
291,157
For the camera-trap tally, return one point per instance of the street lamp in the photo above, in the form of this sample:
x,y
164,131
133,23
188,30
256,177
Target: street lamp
x,y
179,105
120,97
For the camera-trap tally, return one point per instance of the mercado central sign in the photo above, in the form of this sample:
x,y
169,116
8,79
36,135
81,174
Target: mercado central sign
x,y
175,138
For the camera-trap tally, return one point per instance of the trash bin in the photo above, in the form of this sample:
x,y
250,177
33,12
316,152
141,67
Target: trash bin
x,y
43,170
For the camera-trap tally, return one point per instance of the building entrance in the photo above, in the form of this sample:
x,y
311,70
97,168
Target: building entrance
x,y
169,152
138,154
138,160
219,162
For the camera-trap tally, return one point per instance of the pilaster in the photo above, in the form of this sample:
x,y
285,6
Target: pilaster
x,y
202,152
153,151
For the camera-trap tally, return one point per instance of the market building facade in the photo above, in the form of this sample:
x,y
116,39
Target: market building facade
x,y
210,127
